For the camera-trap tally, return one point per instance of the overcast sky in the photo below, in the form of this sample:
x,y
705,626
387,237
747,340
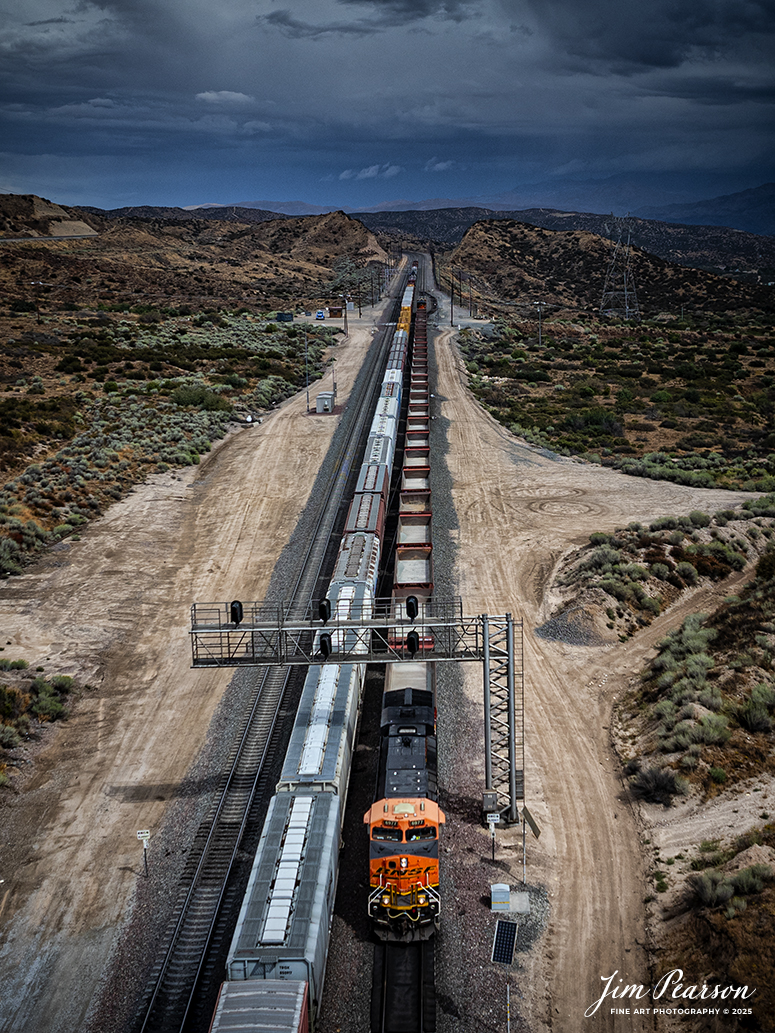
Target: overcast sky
x,y
355,102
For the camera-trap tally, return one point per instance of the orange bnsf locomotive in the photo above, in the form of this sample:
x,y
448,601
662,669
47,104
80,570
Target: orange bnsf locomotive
x,y
404,823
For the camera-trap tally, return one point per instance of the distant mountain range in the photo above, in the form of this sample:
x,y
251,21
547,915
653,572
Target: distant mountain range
x,y
752,210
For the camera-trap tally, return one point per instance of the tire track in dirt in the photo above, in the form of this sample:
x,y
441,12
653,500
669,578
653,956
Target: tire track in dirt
x,y
518,512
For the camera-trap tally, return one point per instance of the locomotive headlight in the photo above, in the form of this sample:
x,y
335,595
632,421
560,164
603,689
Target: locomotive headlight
x,y
404,862
422,900
386,901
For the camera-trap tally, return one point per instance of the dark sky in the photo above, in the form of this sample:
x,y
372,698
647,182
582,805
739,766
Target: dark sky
x,y
353,103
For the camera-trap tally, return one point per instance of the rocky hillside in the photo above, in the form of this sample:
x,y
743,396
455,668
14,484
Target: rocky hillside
x,y
226,213
516,262
25,215
728,252
172,262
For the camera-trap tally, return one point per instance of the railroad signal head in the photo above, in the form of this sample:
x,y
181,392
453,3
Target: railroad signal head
x,y
412,643
412,607
236,612
326,645
324,610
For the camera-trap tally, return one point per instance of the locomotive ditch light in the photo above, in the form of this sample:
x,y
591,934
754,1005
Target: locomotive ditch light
x,y
412,643
412,607
324,610
326,646
236,612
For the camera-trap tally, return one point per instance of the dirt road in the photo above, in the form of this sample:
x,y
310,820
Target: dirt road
x,y
112,609
518,512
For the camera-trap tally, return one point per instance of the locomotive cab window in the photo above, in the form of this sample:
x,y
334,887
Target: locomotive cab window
x,y
380,832
428,832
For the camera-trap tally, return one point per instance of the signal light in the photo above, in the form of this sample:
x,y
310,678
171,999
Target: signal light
x,y
326,646
236,612
412,643
412,607
324,610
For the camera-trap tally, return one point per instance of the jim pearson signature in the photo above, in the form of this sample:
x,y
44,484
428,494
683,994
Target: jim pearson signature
x,y
671,985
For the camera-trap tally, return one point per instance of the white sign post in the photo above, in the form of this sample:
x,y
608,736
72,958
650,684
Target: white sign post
x,y
145,835
492,821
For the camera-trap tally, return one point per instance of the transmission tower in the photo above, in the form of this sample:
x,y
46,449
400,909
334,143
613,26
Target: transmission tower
x,y
619,296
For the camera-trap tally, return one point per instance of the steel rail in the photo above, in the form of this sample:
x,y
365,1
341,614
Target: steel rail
x,y
176,981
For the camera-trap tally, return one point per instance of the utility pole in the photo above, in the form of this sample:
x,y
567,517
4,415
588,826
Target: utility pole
x,y
540,306
306,370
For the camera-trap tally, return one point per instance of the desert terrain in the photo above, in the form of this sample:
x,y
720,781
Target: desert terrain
x,y
112,609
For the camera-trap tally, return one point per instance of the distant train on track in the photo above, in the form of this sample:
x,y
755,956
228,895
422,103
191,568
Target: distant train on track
x,y
283,930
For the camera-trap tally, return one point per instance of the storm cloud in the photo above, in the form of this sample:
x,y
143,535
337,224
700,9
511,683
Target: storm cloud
x,y
334,101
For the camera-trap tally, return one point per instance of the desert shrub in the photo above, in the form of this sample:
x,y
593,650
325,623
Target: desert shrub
x,y
687,572
663,524
200,397
680,740
658,785
633,571
13,665
697,665
616,588
699,519
711,888
684,691
9,737
711,698
752,880
659,570
665,709
718,775
763,694
711,729
765,567
754,716
599,538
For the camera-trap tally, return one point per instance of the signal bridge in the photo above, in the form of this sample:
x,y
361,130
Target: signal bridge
x,y
394,630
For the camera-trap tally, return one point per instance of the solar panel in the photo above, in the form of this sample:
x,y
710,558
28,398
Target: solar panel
x,y
504,942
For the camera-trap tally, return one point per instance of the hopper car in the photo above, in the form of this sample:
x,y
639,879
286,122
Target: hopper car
x,y
285,920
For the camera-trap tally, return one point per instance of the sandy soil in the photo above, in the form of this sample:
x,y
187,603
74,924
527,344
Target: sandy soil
x,y
518,513
113,609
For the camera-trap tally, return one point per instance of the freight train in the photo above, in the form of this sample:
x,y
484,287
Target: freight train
x,y
283,929
404,821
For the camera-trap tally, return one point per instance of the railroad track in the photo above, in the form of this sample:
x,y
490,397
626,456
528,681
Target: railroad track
x,y
185,972
403,996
